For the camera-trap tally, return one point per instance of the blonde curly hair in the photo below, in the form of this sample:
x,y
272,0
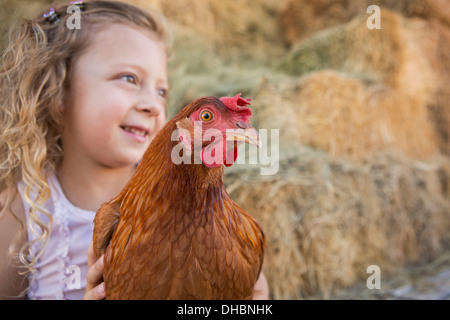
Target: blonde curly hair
x,y
34,79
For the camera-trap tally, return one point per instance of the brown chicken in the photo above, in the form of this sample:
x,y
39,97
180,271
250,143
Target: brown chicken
x,y
173,232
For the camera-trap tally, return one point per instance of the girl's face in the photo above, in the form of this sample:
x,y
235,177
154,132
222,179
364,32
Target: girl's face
x,y
116,103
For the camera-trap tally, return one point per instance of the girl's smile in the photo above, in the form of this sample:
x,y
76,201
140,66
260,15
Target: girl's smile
x,y
137,133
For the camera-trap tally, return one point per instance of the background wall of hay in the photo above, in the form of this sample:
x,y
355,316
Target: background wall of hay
x,y
364,120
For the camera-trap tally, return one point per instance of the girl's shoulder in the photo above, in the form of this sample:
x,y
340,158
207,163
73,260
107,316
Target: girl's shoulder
x,y
11,283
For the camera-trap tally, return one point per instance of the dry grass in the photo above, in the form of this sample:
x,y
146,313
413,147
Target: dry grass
x,y
429,281
328,219
409,53
300,19
387,55
344,116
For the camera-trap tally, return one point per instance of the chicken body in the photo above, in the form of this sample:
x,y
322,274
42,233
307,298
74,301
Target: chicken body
x,y
173,232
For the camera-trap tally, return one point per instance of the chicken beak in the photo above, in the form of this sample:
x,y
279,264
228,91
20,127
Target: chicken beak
x,y
249,135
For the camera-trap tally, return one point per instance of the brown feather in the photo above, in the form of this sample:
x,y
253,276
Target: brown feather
x,y
179,235
105,221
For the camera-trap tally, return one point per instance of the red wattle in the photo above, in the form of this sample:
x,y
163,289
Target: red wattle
x,y
235,155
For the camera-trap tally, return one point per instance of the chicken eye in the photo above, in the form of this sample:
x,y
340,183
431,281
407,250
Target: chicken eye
x,y
206,115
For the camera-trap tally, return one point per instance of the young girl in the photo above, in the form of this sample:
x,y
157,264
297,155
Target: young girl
x,y
79,106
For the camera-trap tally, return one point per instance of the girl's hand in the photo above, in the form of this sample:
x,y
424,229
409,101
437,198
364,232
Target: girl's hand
x,y
95,287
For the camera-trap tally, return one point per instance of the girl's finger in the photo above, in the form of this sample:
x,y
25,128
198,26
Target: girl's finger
x,y
97,293
91,255
95,274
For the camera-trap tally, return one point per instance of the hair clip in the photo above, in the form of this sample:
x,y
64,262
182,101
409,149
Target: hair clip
x,y
80,4
51,16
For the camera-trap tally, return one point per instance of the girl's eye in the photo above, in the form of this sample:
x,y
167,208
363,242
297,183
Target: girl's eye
x,y
162,92
206,115
130,78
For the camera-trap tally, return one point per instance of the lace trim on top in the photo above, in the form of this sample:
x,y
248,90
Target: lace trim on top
x,y
60,208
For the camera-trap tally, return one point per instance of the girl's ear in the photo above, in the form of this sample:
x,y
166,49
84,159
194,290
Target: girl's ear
x,y
61,107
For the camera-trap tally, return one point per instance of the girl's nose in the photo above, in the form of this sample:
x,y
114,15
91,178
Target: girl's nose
x,y
151,109
151,106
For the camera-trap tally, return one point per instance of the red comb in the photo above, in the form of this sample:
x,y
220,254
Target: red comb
x,y
233,103
238,104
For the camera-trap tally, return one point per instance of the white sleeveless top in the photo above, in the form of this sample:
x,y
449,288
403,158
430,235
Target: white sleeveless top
x,y
61,270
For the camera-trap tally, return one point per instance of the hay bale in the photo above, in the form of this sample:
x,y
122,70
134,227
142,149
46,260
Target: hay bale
x,y
300,19
438,46
426,9
411,54
235,23
328,219
377,95
344,116
383,55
